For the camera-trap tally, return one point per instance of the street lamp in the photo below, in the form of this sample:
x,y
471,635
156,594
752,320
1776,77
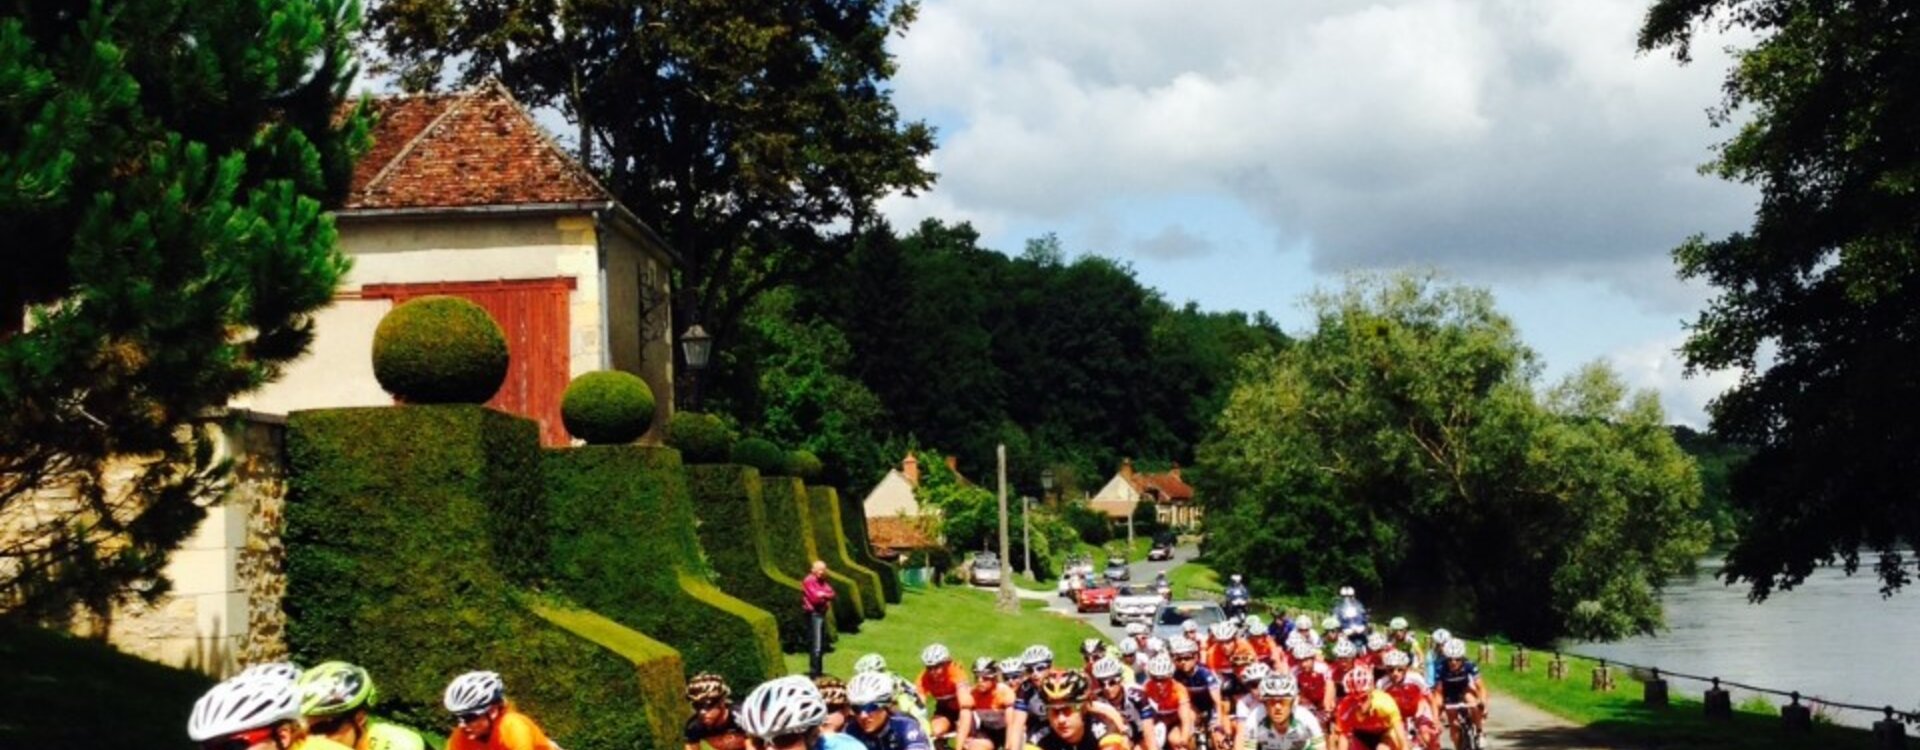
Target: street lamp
x,y
1046,484
697,346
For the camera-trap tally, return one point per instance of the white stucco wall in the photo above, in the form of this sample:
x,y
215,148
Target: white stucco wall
x,y
337,369
1117,490
893,496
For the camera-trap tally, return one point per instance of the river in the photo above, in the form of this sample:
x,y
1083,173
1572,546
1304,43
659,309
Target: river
x,y
1833,637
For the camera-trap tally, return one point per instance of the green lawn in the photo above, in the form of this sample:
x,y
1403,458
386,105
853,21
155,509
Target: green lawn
x,y
1187,575
962,618
1623,715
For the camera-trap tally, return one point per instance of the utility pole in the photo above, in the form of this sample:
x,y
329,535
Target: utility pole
x,y
1026,538
1008,602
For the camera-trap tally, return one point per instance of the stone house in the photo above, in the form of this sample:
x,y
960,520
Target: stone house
x,y
1171,496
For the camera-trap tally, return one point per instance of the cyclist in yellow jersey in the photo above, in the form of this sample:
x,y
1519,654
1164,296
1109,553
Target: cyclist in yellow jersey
x,y
1368,718
335,698
253,712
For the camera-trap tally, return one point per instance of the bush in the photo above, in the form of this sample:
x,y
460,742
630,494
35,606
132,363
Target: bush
x,y
439,350
624,544
853,521
804,464
700,438
734,531
1093,526
823,506
608,407
398,524
793,548
761,454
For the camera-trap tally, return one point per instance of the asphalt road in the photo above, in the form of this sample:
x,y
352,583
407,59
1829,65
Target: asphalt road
x,y
1141,573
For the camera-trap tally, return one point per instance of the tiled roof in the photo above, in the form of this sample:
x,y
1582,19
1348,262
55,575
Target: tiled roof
x,y
1168,486
897,534
474,148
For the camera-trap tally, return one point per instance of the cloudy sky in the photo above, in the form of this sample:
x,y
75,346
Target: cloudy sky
x,y
1241,153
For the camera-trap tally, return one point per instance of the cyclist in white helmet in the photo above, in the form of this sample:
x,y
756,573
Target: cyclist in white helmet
x,y
486,720
1280,722
1038,660
786,714
944,684
1172,706
875,723
1116,696
1314,680
253,712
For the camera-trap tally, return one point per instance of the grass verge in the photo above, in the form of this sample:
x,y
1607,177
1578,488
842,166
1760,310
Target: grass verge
x,y
961,618
55,691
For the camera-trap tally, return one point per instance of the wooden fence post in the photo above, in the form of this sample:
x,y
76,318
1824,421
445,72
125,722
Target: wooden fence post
x,y
1797,719
1557,669
1890,733
1602,677
1719,702
1519,659
1655,692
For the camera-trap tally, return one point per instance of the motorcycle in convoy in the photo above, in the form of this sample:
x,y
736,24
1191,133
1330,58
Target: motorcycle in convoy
x,y
1352,616
1237,598
1161,587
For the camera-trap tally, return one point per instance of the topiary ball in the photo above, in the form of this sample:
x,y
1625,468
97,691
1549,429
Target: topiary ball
x,y
439,350
700,438
607,408
761,454
804,464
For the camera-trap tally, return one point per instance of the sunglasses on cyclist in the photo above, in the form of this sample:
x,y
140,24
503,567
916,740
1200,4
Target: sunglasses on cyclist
x,y
1186,657
240,740
1063,709
470,717
867,708
1112,681
708,705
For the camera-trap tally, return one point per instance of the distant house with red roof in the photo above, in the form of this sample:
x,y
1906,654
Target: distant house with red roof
x,y
465,194
1171,496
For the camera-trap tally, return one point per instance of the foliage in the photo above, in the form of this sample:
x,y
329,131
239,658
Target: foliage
x,y
1091,525
410,532
782,107
734,532
970,518
801,463
1402,443
793,387
1718,460
440,349
608,407
624,545
965,621
794,549
700,438
163,205
853,521
823,509
1815,303
762,454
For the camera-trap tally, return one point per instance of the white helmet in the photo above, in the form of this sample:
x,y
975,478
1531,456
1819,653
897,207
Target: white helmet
x,y
241,703
1222,630
1454,649
1280,685
1156,645
1189,627
1397,623
1011,668
1136,628
1303,622
1092,646
474,691
870,663
1161,665
1377,641
276,670
783,706
1128,647
1255,672
1036,655
983,665
1254,624
1395,658
1183,646
1441,636
1344,649
935,655
1106,669
1304,650
1329,623
870,687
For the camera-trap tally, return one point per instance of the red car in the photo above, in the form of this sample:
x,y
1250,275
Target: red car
x,y
1095,598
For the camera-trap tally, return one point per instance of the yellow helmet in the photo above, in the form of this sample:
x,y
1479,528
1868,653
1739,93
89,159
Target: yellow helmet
x,y
1060,686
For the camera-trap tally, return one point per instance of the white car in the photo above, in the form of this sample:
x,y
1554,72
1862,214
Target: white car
x,y
1134,604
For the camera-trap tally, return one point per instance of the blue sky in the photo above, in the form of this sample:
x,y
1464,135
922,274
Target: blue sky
x,y
1239,154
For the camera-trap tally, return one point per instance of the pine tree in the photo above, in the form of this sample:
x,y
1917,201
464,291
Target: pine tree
x,y
165,170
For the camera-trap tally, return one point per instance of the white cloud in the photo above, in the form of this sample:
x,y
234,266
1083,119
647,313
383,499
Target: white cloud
x,y
1656,366
1175,242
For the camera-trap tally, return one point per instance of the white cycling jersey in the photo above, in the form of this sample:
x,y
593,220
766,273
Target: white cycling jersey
x,y
1301,732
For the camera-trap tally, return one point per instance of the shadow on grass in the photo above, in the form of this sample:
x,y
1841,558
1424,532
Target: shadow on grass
x,y
1684,725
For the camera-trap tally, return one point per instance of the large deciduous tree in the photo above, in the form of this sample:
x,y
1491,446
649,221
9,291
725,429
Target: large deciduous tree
x,y
742,131
1401,444
1819,302
164,169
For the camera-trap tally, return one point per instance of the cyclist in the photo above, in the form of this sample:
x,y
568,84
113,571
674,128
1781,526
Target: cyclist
x,y
335,697
1223,640
1377,648
1303,627
1070,726
1368,719
1233,681
833,692
1330,631
1460,685
253,712
906,696
1403,638
1345,659
1262,643
1036,660
787,713
945,685
486,720
1279,722
991,699
1203,688
1247,699
1114,693
1434,659
1191,631
876,724
1091,650
1138,632
1409,692
1172,706
714,721
1314,679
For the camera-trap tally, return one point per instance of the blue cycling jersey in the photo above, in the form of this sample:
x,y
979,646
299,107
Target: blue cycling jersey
x,y
1455,682
1198,683
837,741
899,733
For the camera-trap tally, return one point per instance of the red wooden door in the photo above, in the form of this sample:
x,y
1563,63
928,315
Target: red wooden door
x,y
533,313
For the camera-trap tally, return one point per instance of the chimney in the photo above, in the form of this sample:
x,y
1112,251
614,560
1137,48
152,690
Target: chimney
x,y
1126,468
1176,470
911,467
953,464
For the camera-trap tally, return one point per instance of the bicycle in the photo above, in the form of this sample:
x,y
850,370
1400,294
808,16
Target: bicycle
x,y
1466,734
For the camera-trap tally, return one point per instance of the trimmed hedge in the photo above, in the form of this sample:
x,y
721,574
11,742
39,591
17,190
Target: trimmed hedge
x,y
439,350
398,521
734,532
624,544
609,407
804,464
700,438
794,550
853,521
823,508
761,454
